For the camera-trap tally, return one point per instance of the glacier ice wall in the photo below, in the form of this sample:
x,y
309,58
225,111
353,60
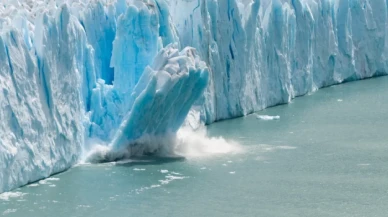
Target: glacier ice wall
x,y
41,97
263,53
115,71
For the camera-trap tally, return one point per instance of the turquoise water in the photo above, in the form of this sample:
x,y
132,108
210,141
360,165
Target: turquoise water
x,y
325,156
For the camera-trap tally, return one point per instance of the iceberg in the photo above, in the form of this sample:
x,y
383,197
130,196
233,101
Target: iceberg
x,y
127,73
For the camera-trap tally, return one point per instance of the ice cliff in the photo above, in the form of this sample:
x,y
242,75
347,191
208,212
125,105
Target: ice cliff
x,y
117,71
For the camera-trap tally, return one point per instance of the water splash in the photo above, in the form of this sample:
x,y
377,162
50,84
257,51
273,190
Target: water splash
x,y
187,143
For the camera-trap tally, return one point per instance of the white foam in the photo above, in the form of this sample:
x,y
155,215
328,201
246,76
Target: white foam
x,y
139,169
170,178
44,182
52,179
128,161
9,195
194,144
140,190
186,143
164,171
98,153
8,211
233,172
83,206
267,117
272,148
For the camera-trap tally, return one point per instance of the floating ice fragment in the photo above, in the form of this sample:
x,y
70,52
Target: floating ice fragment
x,y
52,179
44,182
9,195
267,117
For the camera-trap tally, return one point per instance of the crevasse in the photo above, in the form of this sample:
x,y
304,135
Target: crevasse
x,y
116,71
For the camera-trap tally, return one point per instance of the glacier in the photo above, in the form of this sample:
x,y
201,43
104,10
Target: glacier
x,y
116,72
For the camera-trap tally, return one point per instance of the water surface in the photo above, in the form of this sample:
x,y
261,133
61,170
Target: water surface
x,y
326,155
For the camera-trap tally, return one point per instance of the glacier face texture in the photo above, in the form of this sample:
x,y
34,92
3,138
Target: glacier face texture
x,y
263,53
75,72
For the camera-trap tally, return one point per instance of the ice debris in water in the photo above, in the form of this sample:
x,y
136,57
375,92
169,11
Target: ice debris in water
x,y
267,117
10,195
